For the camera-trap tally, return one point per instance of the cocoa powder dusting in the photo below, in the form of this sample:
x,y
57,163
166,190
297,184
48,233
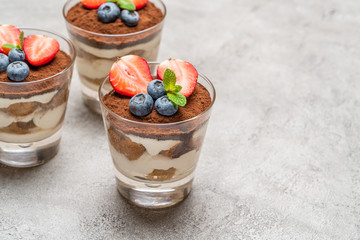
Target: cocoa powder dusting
x,y
87,19
197,103
58,64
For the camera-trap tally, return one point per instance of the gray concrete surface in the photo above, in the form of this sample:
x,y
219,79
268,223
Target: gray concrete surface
x,y
282,155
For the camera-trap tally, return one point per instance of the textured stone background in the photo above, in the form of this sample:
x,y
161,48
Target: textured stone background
x,y
281,157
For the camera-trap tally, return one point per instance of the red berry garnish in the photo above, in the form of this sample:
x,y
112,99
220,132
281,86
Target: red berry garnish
x,y
40,50
8,35
93,4
139,3
186,74
130,75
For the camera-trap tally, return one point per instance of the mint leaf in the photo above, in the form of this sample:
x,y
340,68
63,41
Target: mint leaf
x,y
114,1
8,45
21,38
177,88
177,98
173,90
169,79
126,4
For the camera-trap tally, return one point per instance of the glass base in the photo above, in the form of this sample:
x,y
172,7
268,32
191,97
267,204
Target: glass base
x,y
154,195
91,99
23,155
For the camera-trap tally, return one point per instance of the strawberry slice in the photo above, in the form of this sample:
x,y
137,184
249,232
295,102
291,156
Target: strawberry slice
x,y
186,74
93,4
130,75
139,3
40,50
8,34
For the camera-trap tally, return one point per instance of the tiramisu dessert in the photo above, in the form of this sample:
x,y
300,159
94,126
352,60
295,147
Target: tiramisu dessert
x,y
35,73
103,31
155,125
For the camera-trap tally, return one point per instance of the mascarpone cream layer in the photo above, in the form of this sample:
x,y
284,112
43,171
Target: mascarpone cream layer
x,y
154,146
111,53
151,159
42,119
94,69
89,88
47,121
41,98
28,138
147,163
50,118
199,135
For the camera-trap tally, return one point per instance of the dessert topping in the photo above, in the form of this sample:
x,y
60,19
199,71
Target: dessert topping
x,y
108,12
125,4
9,38
19,45
172,90
128,15
4,62
156,89
141,104
165,107
130,18
17,71
40,50
167,104
139,3
16,54
185,75
130,75
93,4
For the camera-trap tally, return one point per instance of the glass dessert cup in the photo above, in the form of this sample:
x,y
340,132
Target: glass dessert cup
x,y
97,52
32,113
155,163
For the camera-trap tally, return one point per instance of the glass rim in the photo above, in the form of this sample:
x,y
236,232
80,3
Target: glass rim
x,y
212,89
114,35
68,41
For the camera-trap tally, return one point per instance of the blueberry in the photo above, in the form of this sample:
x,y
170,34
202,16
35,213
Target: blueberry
x,y
165,107
16,55
4,62
17,71
156,89
130,18
141,104
108,12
